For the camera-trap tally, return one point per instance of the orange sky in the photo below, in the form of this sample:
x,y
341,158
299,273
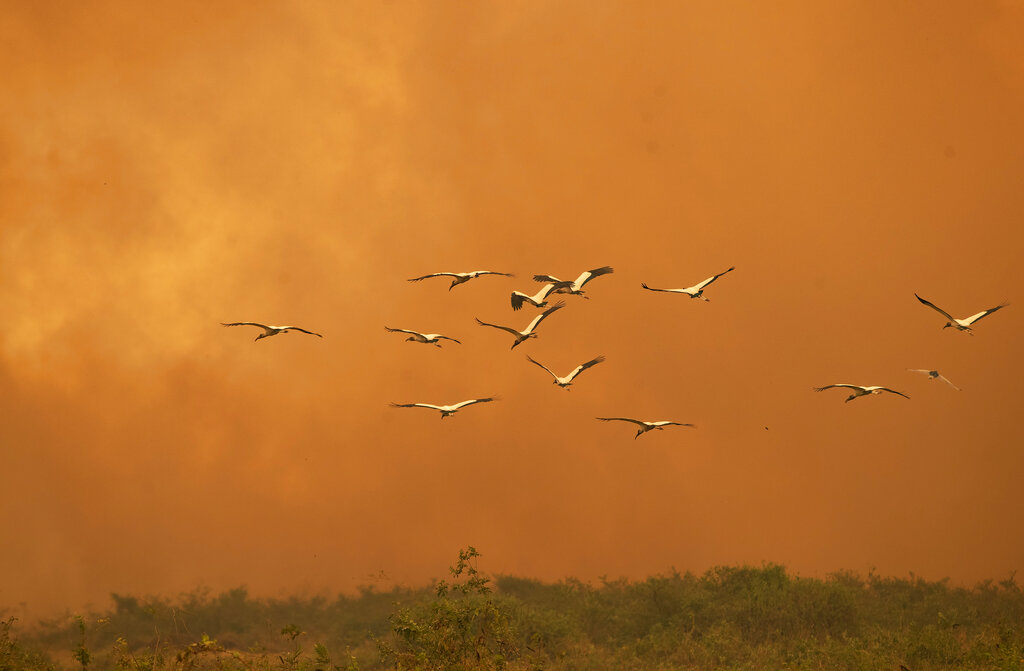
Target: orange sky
x,y
165,168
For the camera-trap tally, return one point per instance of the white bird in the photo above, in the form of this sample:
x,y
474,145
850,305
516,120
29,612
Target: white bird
x,y
960,324
575,286
528,332
860,391
934,375
271,330
460,278
565,382
696,291
538,300
426,338
446,410
644,426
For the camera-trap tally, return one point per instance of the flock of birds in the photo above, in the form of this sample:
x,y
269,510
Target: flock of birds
x,y
553,285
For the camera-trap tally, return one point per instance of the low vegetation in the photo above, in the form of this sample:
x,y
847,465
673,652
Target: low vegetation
x,y
727,618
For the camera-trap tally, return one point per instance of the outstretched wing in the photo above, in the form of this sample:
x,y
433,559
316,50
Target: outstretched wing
x,y
671,291
973,318
417,279
549,278
416,333
518,298
892,391
942,377
711,279
844,386
444,337
415,405
539,318
534,361
495,326
621,419
296,328
936,308
591,274
472,401
673,424
583,366
477,273
262,326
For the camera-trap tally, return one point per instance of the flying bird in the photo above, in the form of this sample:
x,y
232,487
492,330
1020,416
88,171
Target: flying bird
x,y
960,324
860,391
565,382
696,291
934,375
521,336
538,300
460,278
426,338
271,330
445,410
575,286
644,426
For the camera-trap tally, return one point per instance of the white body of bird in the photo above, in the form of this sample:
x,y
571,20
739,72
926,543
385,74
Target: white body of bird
x,y
859,390
644,426
934,375
696,291
269,330
425,338
574,287
566,382
538,300
963,325
529,331
461,278
445,410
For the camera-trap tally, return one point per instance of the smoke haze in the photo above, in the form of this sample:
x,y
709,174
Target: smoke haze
x,y
164,169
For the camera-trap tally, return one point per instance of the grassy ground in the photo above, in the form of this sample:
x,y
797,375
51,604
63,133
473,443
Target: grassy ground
x,y
728,618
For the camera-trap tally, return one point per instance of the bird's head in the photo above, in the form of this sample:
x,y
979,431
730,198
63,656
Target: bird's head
x,y
262,335
638,433
410,338
452,285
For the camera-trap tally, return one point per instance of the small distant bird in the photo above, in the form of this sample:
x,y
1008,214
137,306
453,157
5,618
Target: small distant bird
x,y
538,300
960,324
445,410
426,338
934,375
271,330
522,336
576,286
460,278
860,391
644,426
566,382
697,290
